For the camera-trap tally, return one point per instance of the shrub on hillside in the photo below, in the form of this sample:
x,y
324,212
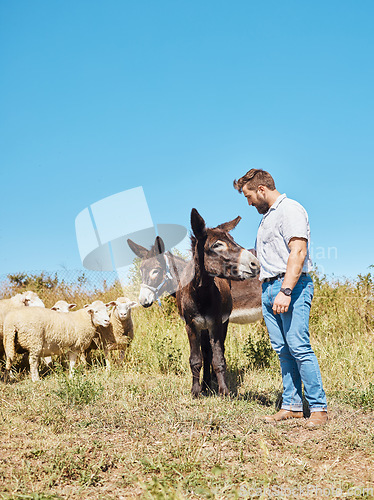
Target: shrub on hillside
x,y
258,351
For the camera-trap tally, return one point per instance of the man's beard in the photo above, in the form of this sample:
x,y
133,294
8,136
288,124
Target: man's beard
x,y
262,207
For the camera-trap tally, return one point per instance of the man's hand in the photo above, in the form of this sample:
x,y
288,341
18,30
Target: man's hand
x,y
281,303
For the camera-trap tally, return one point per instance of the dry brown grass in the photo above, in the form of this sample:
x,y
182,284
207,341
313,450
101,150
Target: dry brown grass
x,y
137,432
146,437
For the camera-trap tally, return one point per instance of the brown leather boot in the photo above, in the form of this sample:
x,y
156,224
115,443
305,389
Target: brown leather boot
x,y
316,419
282,415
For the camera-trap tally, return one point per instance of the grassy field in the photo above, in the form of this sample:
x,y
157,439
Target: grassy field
x,y
137,432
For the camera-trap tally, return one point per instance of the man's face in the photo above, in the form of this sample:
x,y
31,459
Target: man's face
x,y
257,199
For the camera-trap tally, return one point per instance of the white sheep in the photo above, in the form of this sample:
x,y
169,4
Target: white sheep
x,y
43,332
63,306
28,298
119,334
60,306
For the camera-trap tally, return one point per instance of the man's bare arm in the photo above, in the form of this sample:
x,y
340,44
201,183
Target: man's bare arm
x,y
295,263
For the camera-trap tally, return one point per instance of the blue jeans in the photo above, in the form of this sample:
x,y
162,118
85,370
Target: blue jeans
x,y
289,336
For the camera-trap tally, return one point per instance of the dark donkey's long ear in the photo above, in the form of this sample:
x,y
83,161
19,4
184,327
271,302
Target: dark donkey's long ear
x,y
229,226
138,250
198,224
158,248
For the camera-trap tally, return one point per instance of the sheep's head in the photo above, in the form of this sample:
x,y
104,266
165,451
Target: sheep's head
x,y
123,307
99,312
63,306
28,298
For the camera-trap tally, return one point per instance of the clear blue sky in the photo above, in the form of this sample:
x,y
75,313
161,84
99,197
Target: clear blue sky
x,y
181,97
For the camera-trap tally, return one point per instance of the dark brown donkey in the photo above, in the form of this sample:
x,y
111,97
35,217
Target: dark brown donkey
x,y
204,296
161,273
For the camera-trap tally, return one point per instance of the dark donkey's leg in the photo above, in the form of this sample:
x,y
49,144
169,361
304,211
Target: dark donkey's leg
x,y
217,335
207,360
196,358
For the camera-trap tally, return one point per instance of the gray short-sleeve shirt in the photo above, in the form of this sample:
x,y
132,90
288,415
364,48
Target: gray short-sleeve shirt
x,y
284,220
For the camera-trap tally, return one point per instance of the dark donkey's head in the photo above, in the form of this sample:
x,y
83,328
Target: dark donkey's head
x,y
216,251
154,269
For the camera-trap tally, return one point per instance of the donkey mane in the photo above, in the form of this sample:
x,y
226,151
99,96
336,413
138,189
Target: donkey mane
x,y
193,242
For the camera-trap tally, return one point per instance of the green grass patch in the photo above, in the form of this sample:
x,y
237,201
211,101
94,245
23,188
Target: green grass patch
x,y
359,398
78,390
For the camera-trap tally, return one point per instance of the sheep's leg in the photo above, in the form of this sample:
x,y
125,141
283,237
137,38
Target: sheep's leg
x,y
72,360
9,362
9,374
106,356
34,362
83,358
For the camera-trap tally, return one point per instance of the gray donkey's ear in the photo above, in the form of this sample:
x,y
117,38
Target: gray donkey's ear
x,y
138,250
229,226
198,224
158,248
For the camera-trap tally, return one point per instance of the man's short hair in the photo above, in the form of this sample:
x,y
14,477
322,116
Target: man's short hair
x,y
254,178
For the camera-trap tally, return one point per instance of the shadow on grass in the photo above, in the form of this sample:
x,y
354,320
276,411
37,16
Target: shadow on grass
x,y
234,378
273,399
263,398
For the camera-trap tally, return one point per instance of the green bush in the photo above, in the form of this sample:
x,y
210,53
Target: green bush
x,y
37,282
169,355
78,390
258,352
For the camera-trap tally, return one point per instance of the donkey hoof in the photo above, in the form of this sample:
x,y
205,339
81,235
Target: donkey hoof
x,y
196,390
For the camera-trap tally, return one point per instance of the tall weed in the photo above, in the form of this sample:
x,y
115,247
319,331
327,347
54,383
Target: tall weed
x,y
258,351
78,390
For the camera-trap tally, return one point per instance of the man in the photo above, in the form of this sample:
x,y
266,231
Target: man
x,y
287,290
